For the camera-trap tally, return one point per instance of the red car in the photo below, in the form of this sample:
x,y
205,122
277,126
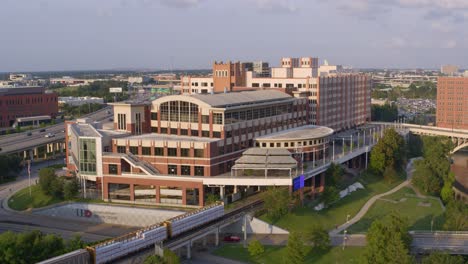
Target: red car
x,y
231,239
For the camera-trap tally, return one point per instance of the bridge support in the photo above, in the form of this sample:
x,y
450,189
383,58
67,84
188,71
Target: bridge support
x,y
189,255
158,249
221,192
217,236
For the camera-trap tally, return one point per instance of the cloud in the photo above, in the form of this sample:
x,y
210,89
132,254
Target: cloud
x,y
276,5
450,44
181,3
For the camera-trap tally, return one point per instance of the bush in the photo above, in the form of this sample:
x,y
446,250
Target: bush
x,y
211,199
276,201
255,248
46,177
330,195
70,189
391,175
320,238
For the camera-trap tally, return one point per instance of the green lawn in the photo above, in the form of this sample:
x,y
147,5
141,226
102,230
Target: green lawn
x,y
302,218
408,206
22,200
278,254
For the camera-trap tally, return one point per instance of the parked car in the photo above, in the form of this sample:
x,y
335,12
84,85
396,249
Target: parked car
x,y
231,239
29,133
49,135
42,130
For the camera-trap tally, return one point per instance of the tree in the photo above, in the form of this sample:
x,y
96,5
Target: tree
x,y
70,189
440,257
456,216
295,248
276,201
447,194
319,238
425,179
46,177
334,174
330,195
255,248
170,257
10,166
388,152
153,259
390,175
384,113
75,243
388,241
211,199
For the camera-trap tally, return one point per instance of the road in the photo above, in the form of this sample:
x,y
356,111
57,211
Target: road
x,y
19,222
21,141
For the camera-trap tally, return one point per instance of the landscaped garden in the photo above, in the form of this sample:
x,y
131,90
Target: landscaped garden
x,y
419,212
22,200
278,254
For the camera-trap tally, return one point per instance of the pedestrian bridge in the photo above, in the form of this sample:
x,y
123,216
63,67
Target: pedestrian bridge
x,y
459,136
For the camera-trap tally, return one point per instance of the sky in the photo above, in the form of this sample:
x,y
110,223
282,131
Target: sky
x,y
43,35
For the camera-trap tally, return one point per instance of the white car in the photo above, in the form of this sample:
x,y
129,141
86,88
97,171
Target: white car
x,y
49,135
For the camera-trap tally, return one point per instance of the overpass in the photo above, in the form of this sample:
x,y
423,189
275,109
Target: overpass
x,y
37,145
459,137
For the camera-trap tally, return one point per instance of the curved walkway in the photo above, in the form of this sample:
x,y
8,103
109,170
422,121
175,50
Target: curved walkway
x,y
371,201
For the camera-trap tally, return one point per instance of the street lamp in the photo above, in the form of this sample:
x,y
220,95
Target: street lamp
x,y
344,239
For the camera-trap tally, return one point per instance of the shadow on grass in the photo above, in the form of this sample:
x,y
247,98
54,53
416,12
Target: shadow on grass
x,y
424,224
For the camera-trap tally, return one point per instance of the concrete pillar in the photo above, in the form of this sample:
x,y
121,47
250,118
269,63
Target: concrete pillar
x,y
204,241
201,196
322,182
132,192
217,237
235,188
189,255
221,192
158,194
184,196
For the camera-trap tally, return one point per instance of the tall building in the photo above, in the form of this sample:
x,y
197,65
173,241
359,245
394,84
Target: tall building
x,y
452,102
25,102
449,69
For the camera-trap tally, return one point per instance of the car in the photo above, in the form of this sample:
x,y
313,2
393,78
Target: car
x,y
29,133
49,135
231,239
42,130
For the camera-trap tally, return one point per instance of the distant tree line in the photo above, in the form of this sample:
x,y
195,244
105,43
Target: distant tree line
x,y
95,89
384,113
416,90
79,110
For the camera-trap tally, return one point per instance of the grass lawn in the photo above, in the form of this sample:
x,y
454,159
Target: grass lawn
x,y
278,254
303,217
407,205
21,200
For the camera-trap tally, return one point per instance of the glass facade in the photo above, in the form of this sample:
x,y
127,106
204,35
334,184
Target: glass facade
x,y
88,156
179,111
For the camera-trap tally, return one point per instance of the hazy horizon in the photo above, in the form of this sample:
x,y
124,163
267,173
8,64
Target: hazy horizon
x,y
54,35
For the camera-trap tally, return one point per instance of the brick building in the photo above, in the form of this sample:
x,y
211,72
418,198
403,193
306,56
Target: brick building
x,y
452,102
25,102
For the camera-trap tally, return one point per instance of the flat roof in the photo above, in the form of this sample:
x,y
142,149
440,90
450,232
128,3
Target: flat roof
x,y
232,99
299,133
163,137
85,130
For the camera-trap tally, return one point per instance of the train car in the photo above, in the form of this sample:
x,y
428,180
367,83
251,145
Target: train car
x,y
191,220
80,256
111,250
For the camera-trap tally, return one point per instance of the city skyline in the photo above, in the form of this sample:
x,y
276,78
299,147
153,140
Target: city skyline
x,y
53,35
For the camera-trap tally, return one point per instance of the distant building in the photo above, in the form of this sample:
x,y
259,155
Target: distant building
x,y
20,77
77,101
452,102
25,102
449,69
69,81
138,79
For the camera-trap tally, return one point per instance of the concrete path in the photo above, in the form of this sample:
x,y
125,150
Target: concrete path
x,y
371,201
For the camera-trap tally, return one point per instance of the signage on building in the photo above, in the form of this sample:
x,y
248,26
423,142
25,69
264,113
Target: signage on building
x,y
115,90
298,183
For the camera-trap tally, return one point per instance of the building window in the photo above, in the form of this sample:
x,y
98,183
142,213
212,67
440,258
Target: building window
x,y
113,169
154,129
199,153
194,133
205,133
122,121
185,152
154,116
121,149
173,131
163,130
199,171
205,119
172,152
218,118
133,150
146,151
159,151
216,134
87,156
185,170
172,169
184,132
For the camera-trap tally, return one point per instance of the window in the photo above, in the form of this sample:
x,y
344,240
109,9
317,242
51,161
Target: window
x,y
218,118
172,169
133,150
199,171
205,133
216,134
205,119
154,116
272,145
172,152
113,169
184,132
163,130
138,123
154,130
228,134
122,121
146,151
87,156
194,133
159,151
185,152
121,149
199,153
185,170
286,144
278,145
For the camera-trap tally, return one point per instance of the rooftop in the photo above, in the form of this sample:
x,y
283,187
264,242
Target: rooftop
x,y
299,133
232,99
85,130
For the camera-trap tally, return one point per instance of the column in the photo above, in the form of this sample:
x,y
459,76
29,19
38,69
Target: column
x,y
132,192
158,194
201,196
217,237
312,187
184,196
322,181
221,192
189,256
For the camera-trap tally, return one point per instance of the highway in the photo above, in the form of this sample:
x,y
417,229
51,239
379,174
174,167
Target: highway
x,y
21,141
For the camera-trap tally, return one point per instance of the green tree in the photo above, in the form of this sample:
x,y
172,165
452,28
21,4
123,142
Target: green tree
x,y
295,248
384,113
388,152
456,216
388,241
330,195
211,199
425,179
153,259
447,194
276,200
255,248
75,243
46,177
170,257
334,174
10,166
319,237
440,257
390,175
70,189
